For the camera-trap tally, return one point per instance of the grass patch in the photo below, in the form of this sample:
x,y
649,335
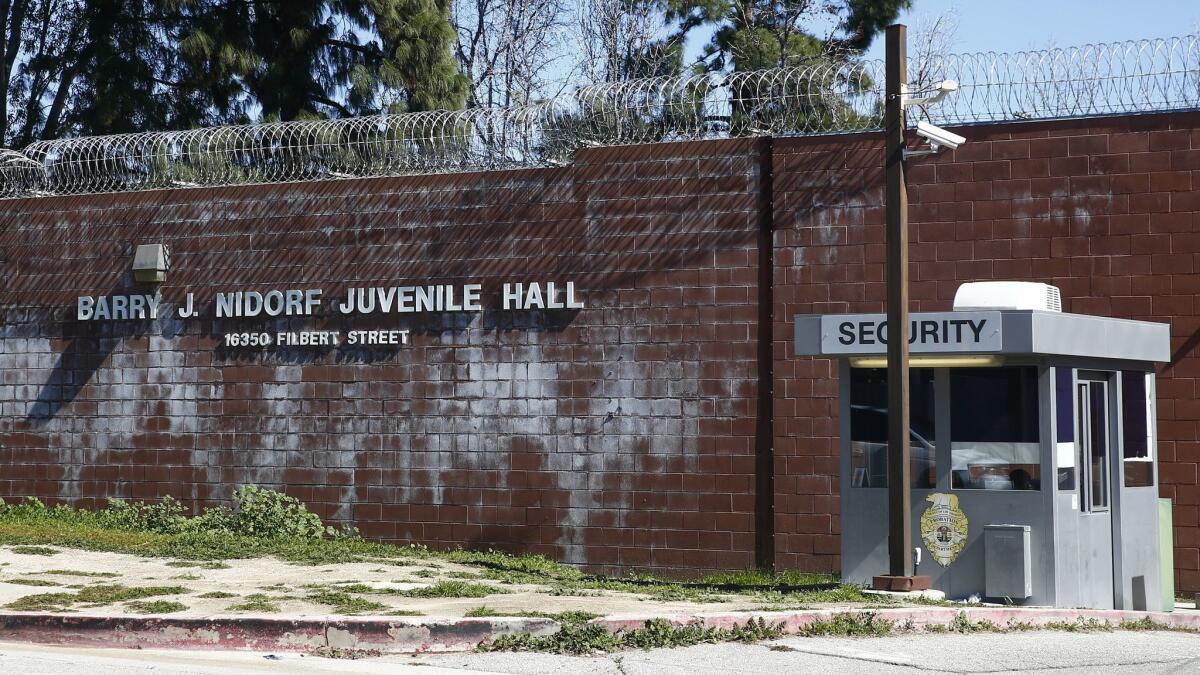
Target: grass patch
x,y
107,594
43,602
865,624
568,617
256,602
93,596
217,594
585,638
155,606
346,603
453,589
425,574
187,577
572,616
81,573
33,550
765,578
31,582
203,564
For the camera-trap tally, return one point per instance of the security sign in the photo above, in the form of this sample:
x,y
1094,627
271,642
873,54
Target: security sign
x,y
944,528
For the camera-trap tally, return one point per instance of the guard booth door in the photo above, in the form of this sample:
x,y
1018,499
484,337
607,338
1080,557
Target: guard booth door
x,y
1093,421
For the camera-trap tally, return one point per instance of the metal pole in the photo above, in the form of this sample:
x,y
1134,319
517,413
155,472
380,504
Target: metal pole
x,y
896,201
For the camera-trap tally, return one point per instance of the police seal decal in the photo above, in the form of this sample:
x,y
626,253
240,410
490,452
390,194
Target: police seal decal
x,y
944,528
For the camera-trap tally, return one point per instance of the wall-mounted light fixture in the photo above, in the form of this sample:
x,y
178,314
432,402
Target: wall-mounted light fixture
x,y
150,263
965,361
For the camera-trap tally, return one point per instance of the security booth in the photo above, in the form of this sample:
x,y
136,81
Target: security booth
x,y
1034,473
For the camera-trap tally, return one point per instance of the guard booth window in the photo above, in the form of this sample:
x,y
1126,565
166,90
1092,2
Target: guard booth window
x,y
994,429
1135,426
868,427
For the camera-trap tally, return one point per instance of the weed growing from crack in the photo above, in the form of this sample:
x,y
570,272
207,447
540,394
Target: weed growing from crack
x,y
81,573
256,602
453,589
34,550
346,603
590,638
203,564
847,624
155,606
43,602
31,582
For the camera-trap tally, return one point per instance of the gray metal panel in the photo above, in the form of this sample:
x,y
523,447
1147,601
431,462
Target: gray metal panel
x,y
808,335
1008,563
1100,337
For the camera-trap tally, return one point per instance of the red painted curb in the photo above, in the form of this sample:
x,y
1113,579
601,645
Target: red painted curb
x,y
388,634
420,634
920,617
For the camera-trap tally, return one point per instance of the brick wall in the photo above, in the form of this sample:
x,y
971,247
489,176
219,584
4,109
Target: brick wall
x,y
620,435
1107,209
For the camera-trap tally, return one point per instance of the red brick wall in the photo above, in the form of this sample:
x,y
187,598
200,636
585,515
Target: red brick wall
x,y
620,436
1106,209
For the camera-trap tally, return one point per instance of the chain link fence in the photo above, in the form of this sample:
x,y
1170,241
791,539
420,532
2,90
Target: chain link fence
x,y
1103,79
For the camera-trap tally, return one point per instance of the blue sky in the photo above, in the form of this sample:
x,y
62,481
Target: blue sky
x,y
1015,25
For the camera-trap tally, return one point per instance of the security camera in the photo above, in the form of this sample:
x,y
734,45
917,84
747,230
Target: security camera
x,y
938,137
944,88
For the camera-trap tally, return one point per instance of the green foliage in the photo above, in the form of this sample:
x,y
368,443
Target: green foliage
x,y
256,602
90,595
33,550
346,603
481,611
42,602
81,573
155,606
453,589
120,66
758,34
106,594
30,582
590,638
850,624
203,564
217,595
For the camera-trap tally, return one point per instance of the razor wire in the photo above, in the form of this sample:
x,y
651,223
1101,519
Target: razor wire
x,y
832,97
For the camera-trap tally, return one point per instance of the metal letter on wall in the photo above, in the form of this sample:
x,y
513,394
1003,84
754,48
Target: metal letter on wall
x,y
944,528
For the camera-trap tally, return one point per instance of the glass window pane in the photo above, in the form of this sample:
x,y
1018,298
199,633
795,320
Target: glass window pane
x,y
1136,425
868,427
1098,456
1064,417
994,429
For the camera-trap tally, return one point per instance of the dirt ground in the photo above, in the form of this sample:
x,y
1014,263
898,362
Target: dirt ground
x,y
268,586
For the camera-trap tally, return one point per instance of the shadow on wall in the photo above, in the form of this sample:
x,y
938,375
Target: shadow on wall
x,y
89,347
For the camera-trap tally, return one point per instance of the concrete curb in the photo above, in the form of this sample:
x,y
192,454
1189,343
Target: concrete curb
x,y
262,633
425,635
921,617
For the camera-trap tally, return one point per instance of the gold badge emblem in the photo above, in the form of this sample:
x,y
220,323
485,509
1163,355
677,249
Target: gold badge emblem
x,y
944,528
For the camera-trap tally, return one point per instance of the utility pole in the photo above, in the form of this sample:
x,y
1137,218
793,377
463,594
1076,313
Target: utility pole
x,y
900,554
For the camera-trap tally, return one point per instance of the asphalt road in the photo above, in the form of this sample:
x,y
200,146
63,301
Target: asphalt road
x,y
1118,652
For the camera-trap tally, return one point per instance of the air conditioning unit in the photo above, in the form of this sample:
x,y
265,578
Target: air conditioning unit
x,y
1007,295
